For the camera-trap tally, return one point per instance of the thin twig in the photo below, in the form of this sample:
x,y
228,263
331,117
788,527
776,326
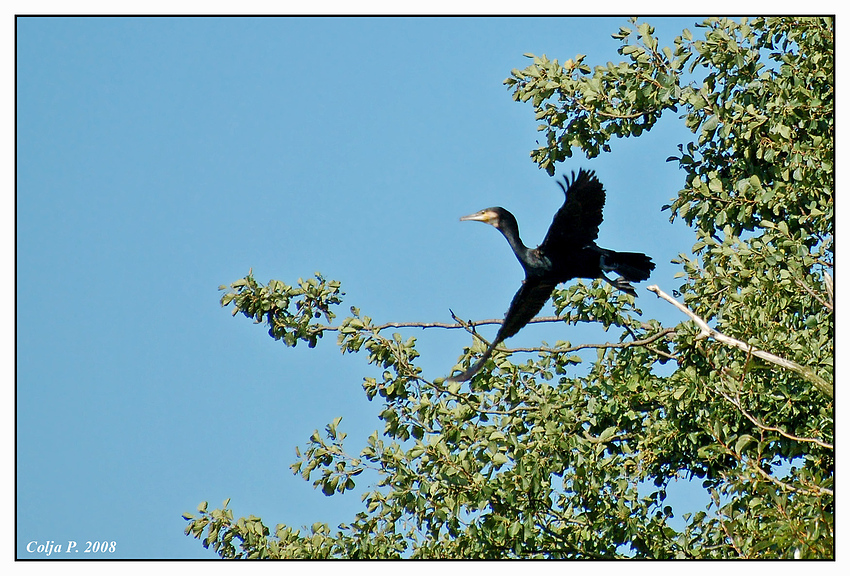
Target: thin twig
x,y
788,487
641,342
716,499
815,295
753,463
829,290
636,342
737,404
450,326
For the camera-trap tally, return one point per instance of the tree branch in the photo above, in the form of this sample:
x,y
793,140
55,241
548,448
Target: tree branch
x,y
829,288
456,325
716,499
635,342
815,488
736,402
707,331
827,305
471,324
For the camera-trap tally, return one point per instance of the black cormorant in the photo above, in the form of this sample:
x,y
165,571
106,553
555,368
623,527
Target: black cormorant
x,y
567,252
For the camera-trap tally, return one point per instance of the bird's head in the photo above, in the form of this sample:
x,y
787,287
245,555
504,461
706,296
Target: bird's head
x,y
492,216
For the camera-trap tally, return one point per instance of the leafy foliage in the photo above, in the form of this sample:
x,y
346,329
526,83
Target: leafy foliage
x,y
544,459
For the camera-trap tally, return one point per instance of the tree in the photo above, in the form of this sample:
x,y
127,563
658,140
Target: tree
x,y
542,459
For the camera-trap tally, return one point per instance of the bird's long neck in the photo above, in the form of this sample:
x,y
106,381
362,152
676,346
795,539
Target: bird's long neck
x,y
510,230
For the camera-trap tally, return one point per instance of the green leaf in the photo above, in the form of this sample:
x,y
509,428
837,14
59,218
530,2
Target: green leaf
x,y
715,185
607,434
742,442
498,458
710,124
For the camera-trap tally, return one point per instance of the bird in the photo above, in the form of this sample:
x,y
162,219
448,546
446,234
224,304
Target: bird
x,y
568,251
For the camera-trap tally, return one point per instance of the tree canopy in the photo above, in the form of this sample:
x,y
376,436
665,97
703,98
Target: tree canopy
x,y
557,457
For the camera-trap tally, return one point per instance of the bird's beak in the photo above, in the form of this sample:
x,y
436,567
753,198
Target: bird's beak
x,y
486,216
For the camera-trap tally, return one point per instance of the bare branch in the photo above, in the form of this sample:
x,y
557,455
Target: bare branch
x,y
636,342
828,283
827,305
450,326
736,402
814,487
471,324
753,464
707,331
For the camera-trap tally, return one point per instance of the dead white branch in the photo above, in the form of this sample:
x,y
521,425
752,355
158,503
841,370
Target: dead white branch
x,y
707,331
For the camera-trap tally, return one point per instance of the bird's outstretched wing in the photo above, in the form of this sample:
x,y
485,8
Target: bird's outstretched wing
x,y
576,223
526,303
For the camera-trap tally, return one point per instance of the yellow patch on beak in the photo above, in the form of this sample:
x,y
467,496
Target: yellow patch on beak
x,y
487,216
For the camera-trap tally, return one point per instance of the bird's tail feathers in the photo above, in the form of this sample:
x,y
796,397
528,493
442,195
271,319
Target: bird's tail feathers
x,y
633,266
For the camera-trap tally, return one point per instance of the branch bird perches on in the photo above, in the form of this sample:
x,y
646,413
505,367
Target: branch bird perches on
x,y
568,251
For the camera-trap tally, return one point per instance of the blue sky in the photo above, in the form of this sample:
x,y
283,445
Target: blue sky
x,y
158,158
